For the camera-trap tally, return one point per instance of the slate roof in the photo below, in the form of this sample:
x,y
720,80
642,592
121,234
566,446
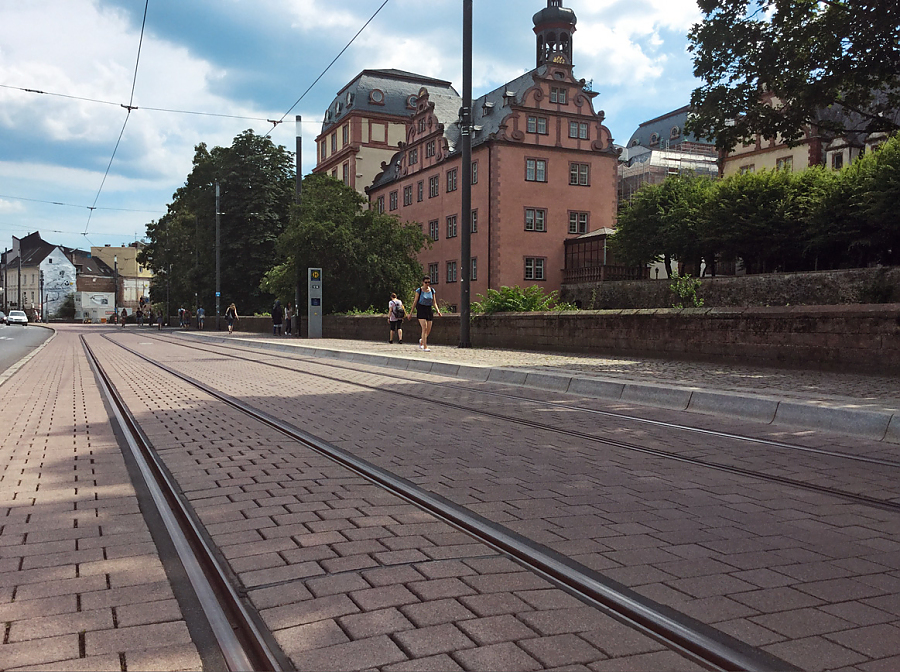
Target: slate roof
x,y
662,126
397,86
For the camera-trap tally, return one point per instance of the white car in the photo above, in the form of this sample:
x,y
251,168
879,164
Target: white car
x,y
17,317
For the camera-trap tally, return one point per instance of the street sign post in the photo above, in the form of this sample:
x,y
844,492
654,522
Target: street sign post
x,y
314,309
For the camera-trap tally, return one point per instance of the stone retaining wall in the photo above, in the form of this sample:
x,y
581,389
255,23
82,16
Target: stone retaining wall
x,y
852,337
821,288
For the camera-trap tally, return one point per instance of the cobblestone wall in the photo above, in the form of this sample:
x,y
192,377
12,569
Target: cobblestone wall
x,y
852,337
822,288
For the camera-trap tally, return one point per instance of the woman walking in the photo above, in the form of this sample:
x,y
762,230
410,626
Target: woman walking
x,y
232,316
426,305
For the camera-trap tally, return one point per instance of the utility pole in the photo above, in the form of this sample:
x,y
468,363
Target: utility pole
x,y
116,287
298,191
43,299
218,257
5,278
465,240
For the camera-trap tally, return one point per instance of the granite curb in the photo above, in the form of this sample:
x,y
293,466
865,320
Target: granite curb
x,y
873,425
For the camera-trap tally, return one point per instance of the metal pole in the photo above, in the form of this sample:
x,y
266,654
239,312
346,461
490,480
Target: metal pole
x,y
43,299
218,257
5,278
298,192
465,255
19,282
116,287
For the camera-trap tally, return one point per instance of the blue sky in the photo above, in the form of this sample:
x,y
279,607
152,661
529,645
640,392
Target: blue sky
x,y
254,59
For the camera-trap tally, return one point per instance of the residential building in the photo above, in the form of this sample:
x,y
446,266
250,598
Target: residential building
x,y
543,171
133,277
366,123
38,276
95,298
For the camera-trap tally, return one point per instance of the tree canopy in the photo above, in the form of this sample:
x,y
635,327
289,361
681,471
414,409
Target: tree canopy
x,y
256,183
773,67
364,255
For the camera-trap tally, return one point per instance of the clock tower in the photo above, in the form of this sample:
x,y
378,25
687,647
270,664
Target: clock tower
x,y
554,27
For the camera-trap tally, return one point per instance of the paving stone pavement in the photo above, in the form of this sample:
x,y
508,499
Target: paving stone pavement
x,y
751,559
82,586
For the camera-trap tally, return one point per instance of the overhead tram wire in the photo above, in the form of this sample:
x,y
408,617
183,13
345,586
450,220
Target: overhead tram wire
x,y
359,32
72,205
128,108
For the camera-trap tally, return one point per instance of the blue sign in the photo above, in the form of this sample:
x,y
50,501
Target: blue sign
x,y
218,294
316,302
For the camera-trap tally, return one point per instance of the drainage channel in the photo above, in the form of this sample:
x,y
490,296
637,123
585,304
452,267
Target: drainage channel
x,y
694,640
240,640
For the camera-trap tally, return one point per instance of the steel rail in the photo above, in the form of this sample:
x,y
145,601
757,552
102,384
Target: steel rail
x,y
240,641
883,504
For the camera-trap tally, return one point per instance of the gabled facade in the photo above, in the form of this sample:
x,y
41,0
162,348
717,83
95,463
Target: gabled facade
x,y
38,276
543,171
366,122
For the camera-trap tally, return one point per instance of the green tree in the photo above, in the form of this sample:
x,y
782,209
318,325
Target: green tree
x,y
256,183
663,221
807,54
364,255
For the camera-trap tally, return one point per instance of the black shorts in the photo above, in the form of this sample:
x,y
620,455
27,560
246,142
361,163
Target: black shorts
x,y
425,313
396,325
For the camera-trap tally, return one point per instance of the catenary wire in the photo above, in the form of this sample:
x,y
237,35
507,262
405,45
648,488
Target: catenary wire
x,y
128,108
335,60
72,205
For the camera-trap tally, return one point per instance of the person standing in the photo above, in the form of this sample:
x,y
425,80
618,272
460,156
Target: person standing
x,y
426,305
395,319
201,316
232,316
187,318
288,319
277,318
124,316
181,317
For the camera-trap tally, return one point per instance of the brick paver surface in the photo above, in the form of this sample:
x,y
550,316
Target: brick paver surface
x,y
82,586
346,576
781,567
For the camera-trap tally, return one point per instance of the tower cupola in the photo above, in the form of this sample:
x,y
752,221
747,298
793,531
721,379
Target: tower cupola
x,y
554,27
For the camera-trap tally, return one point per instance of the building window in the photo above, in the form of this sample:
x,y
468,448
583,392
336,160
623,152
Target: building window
x,y
345,131
434,186
785,163
346,170
433,273
451,226
675,133
334,172
535,219
324,150
475,221
393,200
334,142
535,170
422,125
429,149
413,157
451,271
376,97
747,169
580,174
474,269
420,189
578,130
578,222
434,229
537,125
654,139
474,172
407,195
558,95
451,180
534,268
837,161
381,204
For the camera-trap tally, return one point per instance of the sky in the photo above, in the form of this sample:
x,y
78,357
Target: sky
x,y
211,69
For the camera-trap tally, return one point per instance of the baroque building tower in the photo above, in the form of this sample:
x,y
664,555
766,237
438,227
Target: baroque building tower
x,y
554,27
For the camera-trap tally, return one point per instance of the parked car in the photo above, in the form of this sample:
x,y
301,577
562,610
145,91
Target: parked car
x,y
2,317
17,317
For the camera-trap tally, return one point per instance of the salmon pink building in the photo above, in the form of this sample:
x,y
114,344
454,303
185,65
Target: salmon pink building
x,y
544,170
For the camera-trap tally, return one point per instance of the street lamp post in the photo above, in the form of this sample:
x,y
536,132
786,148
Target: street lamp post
x,y
43,299
465,255
218,256
115,288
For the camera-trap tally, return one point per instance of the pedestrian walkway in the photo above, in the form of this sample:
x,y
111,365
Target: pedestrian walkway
x,y
856,404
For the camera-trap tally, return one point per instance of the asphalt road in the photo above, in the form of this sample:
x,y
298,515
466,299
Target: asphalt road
x,y
17,341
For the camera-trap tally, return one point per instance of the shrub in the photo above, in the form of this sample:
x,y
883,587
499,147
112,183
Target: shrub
x,y
517,300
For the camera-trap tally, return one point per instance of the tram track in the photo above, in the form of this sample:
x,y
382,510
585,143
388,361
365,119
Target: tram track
x,y
693,640
884,504
240,639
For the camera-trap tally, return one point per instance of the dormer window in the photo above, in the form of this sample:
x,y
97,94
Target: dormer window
x,y
509,98
486,109
376,97
676,132
411,102
654,139
635,143
350,98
